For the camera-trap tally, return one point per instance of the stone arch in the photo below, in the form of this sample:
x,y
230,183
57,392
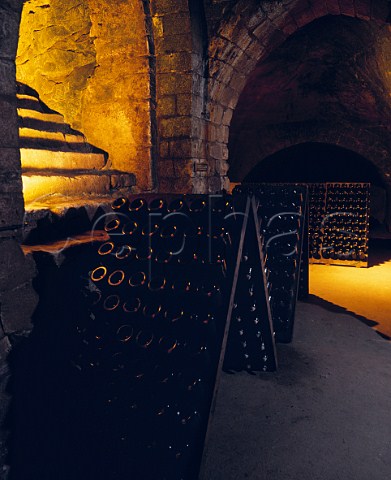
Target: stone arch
x,y
245,37
361,141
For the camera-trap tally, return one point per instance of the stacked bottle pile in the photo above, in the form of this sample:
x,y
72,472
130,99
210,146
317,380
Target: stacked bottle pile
x,y
339,223
282,217
162,294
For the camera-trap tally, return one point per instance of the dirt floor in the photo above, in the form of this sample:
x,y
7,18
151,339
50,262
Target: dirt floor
x,y
326,414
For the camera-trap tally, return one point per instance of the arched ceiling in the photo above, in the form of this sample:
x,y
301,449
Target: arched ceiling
x,y
330,74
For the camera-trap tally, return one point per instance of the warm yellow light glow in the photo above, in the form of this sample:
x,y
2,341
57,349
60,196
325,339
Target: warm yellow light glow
x,y
92,67
43,134
52,160
363,291
44,117
40,186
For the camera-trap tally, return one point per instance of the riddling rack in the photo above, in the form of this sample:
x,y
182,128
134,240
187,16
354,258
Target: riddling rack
x,y
161,294
250,344
339,223
282,214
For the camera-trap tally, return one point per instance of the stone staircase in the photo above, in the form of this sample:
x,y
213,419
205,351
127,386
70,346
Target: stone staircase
x,y
57,161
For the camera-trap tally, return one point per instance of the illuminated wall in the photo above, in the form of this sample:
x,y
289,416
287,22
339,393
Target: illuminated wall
x,y
89,61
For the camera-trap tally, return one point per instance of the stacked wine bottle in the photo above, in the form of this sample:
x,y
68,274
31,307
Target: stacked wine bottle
x,y
339,223
162,294
282,218
250,343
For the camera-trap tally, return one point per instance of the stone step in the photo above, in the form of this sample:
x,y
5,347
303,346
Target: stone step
x,y
26,134
49,159
46,126
42,116
59,146
29,102
48,142
40,184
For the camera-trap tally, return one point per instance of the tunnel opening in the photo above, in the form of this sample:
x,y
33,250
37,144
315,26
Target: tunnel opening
x,y
361,291
313,162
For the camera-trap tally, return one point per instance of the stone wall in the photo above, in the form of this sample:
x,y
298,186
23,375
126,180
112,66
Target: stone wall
x,y
17,297
89,60
245,37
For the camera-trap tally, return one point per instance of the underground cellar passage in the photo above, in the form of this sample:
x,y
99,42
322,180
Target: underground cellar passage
x,y
154,325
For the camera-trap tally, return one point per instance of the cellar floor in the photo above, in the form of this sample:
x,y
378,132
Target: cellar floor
x,y
364,292
325,415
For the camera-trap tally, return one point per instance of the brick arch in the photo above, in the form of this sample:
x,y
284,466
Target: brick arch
x,y
245,38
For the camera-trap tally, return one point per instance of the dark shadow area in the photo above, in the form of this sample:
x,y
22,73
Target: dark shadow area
x,y
54,432
331,307
60,145
379,252
315,163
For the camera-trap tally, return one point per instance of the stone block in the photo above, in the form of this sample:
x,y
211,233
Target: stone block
x,y
167,106
363,9
169,6
256,51
197,106
174,83
216,150
347,7
41,186
174,43
290,26
229,96
176,185
333,7
9,33
64,160
14,5
8,122
216,113
163,149
7,78
175,127
15,268
256,19
222,167
302,16
181,148
123,180
319,8
11,212
174,62
17,307
9,160
184,104
11,182
165,168
227,117
225,71
176,24
245,64
183,168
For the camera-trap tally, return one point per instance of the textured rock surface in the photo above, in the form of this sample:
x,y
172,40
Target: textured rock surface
x,y
91,64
